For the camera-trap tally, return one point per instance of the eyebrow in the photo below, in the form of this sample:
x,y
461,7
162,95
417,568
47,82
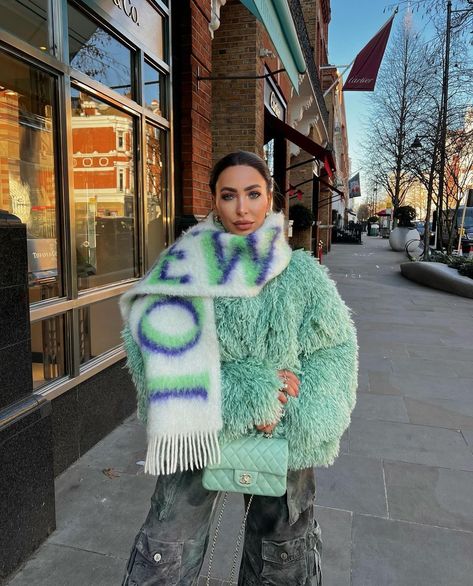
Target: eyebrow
x,y
232,189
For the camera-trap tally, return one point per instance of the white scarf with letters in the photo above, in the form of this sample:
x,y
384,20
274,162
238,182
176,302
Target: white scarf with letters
x,y
169,317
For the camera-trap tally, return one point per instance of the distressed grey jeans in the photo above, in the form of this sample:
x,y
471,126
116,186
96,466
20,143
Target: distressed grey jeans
x,y
282,544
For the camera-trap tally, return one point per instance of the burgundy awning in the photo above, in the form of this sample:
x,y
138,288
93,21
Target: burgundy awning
x,y
302,141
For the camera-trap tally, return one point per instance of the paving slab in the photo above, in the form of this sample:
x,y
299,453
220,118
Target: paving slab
x,y
123,450
353,483
384,383
387,349
429,495
468,435
451,413
98,513
418,444
436,352
432,367
383,407
57,565
392,553
407,334
433,387
336,545
345,442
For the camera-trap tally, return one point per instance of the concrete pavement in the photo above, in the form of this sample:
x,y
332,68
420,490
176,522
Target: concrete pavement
x,y
397,506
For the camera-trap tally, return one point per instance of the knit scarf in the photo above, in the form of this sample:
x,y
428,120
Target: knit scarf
x,y
169,317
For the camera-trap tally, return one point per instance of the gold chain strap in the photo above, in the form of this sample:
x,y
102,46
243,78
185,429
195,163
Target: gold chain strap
x,y
238,542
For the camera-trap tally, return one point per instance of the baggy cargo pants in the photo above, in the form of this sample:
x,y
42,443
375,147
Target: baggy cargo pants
x,y
282,545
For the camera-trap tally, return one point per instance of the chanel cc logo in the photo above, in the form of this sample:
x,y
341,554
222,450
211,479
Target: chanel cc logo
x,y
245,478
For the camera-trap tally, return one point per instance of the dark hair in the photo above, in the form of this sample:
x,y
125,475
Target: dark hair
x,y
240,158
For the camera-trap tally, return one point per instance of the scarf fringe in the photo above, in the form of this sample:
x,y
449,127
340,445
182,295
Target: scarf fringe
x,y
189,451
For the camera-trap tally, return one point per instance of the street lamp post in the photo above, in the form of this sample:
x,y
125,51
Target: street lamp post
x,y
418,145
443,127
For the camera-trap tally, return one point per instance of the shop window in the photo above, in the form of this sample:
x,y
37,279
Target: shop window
x,y
95,52
100,326
104,207
153,98
28,168
155,190
27,20
47,350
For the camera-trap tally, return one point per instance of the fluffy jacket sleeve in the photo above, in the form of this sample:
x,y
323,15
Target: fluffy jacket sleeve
x,y
316,420
255,401
134,363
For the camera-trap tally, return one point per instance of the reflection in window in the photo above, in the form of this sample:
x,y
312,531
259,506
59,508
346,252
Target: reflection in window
x,y
47,349
153,86
27,20
93,51
27,167
155,190
104,198
268,149
100,325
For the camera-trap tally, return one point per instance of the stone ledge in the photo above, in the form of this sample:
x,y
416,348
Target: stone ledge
x,y
438,276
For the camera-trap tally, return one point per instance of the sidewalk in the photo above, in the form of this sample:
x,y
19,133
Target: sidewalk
x,y
397,506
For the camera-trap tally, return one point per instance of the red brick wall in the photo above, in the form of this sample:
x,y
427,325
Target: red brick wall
x,y
195,103
238,105
217,117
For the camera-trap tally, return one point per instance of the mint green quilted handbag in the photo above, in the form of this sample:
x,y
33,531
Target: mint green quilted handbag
x,y
253,464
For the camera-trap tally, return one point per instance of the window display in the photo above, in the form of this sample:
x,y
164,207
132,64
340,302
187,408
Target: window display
x,y
27,168
104,191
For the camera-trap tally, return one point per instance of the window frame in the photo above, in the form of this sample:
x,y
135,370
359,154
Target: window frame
x,y
56,64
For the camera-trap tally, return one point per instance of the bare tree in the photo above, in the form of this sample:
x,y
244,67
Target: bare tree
x,y
394,113
425,161
363,212
432,9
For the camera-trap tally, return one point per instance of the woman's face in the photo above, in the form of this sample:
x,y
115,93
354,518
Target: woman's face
x,y
242,199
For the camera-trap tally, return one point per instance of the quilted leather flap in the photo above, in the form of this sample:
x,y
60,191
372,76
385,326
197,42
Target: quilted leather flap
x,y
255,453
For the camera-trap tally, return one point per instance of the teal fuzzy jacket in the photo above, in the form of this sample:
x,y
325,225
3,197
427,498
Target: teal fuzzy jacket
x,y
298,322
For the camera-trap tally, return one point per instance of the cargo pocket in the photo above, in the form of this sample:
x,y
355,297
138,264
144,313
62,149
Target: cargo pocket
x,y
284,562
154,562
314,556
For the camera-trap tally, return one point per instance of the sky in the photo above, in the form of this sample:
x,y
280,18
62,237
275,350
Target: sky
x,y
352,25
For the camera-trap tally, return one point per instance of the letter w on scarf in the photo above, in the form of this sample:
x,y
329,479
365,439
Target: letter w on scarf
x,y
171,336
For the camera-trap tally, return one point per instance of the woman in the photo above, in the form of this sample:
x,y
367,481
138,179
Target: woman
x,y
228,332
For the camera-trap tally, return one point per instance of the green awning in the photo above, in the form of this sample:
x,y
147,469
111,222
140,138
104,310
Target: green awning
x,y
277,19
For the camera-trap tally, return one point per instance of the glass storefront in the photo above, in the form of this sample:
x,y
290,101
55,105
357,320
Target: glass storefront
x,y
47,350
75,116
99,326
98,54
28,168
27,20
104,191
155,190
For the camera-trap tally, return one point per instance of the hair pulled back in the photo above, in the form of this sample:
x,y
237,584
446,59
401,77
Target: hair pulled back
x,y
240,158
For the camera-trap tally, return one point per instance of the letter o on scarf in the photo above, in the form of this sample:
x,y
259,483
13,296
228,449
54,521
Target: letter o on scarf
x,y
162,342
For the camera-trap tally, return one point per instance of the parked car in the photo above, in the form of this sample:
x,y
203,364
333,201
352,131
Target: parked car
x,y
420,227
